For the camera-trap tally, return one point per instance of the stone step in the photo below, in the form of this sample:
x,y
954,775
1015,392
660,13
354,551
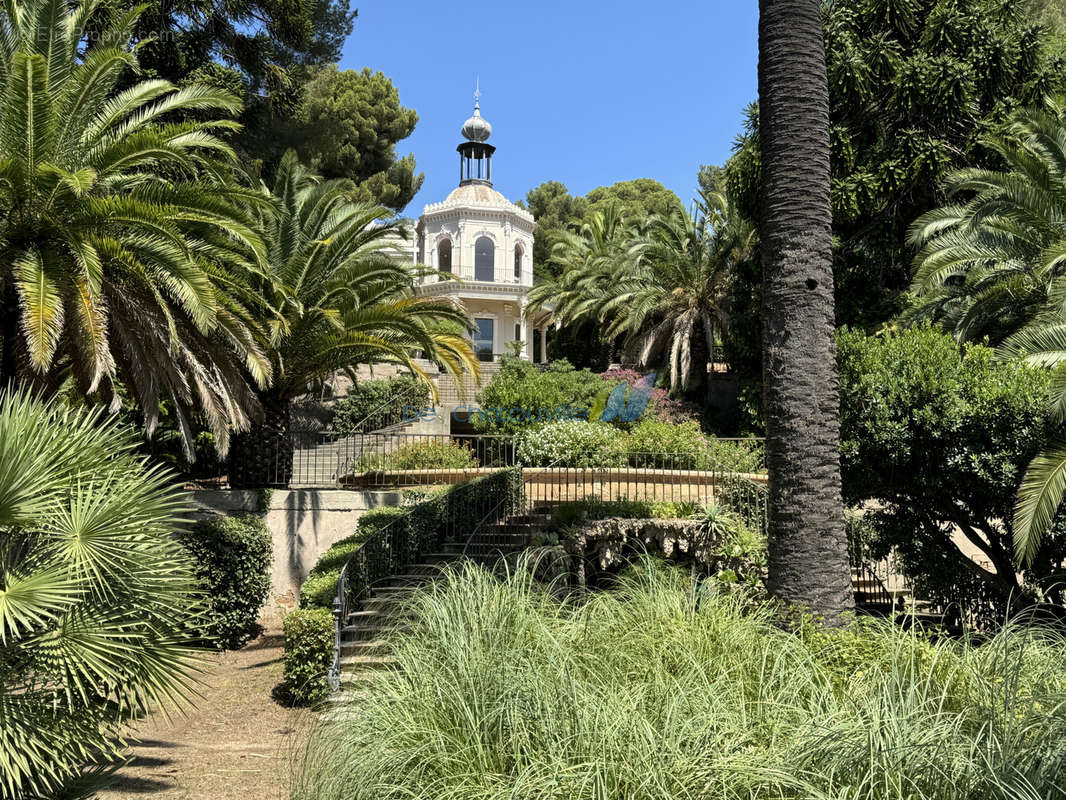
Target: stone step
x,y
363,647
368,662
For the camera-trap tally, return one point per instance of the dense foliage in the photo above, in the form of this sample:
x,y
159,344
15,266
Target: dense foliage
x,y
450,513
96,595
667,688
348,125
992,265
938,435
309,641
649,445
660,284
377,404
232,558
432,453
520,394
320,586
914,86
125,250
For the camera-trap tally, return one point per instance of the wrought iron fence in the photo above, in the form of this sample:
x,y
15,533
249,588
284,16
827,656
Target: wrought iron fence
x,y
423,529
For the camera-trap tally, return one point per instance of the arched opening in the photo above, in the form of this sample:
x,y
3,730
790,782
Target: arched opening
x,y
444,255
484,259
518,262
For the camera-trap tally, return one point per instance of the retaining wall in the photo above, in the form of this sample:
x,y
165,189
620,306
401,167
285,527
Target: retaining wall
x,y
303,524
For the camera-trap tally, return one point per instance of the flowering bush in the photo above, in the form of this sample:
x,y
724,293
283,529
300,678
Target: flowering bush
x,y
661,406
571,444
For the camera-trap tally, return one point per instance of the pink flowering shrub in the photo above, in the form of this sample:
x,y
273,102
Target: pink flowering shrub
x,y
661,406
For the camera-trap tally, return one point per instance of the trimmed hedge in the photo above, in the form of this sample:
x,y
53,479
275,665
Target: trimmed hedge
x,y
320,587
419,454
452,513
309,638
649,445
232,556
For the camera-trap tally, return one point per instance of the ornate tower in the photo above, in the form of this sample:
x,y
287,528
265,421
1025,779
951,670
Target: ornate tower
x,y
475,154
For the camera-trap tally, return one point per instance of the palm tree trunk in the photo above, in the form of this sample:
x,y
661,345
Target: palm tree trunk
x,y
808,557
263,456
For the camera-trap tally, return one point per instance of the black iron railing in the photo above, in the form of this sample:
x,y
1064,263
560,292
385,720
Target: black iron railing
x,y
423,529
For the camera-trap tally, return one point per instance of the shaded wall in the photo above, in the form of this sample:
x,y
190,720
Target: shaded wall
x,y
303,524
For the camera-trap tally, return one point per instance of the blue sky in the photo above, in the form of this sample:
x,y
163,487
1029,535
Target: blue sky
x,y
587,93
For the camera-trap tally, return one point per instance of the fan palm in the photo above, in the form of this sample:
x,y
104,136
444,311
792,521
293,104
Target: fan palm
x,y
124,253
996,266
96,594
342,297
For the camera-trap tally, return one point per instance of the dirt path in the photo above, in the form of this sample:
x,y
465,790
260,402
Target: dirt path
x,y
236,744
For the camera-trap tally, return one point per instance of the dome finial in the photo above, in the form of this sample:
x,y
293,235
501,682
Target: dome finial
x,y
477,128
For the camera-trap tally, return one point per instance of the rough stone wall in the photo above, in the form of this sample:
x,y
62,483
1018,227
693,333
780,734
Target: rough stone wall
x,y
604,544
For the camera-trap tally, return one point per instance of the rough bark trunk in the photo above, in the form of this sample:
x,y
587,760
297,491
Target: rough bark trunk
x,y
808,558
263,455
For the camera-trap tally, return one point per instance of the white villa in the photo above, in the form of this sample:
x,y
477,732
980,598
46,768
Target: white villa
x,y
486,242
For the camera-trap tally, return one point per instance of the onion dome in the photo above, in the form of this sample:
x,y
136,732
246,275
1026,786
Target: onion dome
x,y
477,128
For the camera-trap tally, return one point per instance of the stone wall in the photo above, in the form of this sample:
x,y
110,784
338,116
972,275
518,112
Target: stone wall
x,y
303,524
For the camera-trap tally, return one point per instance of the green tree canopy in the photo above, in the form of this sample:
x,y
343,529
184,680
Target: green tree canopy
x,y
637,199
347,126
939,434
125,250
556,211
914,86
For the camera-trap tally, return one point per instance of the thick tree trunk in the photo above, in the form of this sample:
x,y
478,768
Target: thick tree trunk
x,y
263,456
808,557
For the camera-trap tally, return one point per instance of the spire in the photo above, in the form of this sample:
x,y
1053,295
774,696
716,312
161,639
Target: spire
x,y
475,153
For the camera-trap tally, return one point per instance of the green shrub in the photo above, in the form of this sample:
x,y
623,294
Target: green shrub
x,y
309,640
454,511
320,587
571,444
573,513
373,405
232,556
97,596
669,688
534,395
419,454
938,436
664,445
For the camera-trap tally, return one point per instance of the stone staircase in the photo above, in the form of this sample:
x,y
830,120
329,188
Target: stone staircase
x,y
450,389
364,639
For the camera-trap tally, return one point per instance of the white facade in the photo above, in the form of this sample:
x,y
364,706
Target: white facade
x,y
486,242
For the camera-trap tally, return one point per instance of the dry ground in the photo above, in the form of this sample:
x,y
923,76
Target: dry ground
x,y
236,744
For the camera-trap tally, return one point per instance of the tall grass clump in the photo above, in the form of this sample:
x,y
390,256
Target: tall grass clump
x,y
666,688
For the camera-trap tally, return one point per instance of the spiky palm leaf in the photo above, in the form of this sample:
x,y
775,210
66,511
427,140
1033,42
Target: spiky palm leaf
x,y
348,298
662,285
95,594
996,267
120,239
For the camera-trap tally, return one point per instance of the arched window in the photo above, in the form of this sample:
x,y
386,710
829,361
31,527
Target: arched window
x,y
518,262
484,259
444,255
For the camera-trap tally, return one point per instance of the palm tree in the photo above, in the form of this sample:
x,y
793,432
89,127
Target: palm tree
x,y
989,266
124,256
996,266
97,597
342,297
662,287
808,558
